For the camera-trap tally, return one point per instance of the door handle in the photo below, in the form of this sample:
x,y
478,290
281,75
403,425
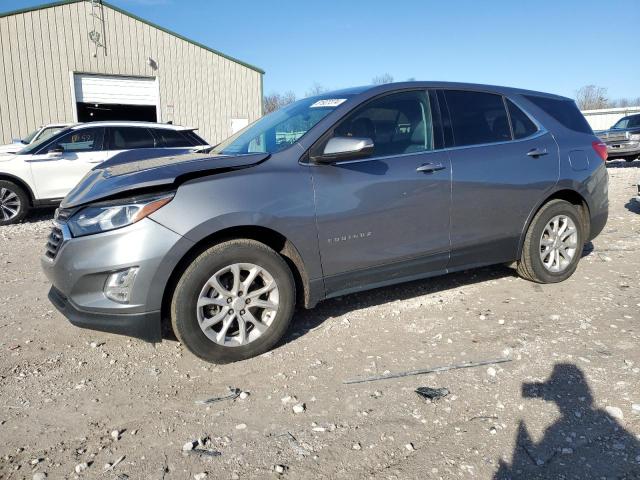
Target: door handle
x,y
537,152
430,167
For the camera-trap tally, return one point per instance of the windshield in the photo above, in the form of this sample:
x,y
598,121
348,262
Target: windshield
x,y
27,140
32,148
49,132
282,128
628,122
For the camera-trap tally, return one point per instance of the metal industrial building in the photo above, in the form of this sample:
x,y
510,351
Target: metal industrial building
x,y
82,60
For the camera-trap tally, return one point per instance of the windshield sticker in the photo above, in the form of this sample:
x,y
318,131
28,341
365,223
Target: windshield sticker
x,y
329,102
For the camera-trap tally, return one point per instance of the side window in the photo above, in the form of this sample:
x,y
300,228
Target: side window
x,y
477,117
82,140
398,123
520,123
194,138
127,138
171,138
564,111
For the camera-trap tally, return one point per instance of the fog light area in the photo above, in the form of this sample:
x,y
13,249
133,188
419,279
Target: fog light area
x,y
119,285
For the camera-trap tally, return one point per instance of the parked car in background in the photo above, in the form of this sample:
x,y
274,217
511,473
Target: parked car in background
x,y
333,194
623,138
43,172
41,133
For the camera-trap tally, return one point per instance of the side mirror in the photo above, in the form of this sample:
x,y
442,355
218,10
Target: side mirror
x,y
345,148
55,151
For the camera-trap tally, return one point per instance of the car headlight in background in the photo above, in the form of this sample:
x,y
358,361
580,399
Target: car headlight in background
x,y
634,136
105,216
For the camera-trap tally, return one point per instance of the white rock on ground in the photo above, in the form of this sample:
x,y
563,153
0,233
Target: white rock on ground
x,y
615,412
200,476
39,476
189,446
299,408
81,467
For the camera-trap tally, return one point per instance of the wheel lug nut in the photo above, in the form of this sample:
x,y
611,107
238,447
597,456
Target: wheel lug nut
x,y
229,300
240,293
247,301
241,312
231,311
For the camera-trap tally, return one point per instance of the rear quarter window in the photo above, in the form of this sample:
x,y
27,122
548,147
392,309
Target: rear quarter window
x,y
172,138
563,111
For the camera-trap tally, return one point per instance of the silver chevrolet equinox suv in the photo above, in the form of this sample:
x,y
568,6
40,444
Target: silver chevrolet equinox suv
x,y
334,194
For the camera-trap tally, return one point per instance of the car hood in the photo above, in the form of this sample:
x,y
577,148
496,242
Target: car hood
x,y
149,170
11,148
5,156
619,131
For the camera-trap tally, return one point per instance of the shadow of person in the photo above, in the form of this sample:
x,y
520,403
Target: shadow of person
x,y
585,442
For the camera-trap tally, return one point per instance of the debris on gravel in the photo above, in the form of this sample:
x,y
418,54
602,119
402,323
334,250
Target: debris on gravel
x,y
432,393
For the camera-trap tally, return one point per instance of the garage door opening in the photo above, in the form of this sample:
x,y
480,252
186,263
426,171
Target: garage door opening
x,y
111,97
92,112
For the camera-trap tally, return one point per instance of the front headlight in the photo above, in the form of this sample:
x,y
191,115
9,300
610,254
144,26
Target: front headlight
x,y
105,216
634,136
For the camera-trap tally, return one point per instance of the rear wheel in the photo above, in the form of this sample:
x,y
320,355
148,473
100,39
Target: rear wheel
x,y
553,244
631,158
14,203
233,302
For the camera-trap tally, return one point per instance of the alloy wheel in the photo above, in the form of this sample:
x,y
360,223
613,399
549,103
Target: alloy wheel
x,y
237,304
558,243
9,204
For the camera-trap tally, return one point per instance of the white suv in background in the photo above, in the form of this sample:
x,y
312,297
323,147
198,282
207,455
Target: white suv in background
x,y
45,131
43,172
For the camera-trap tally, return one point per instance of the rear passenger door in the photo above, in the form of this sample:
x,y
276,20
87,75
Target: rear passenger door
x,y
504,163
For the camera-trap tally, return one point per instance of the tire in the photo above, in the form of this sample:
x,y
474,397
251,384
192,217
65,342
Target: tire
x,y
531,266
196,285
630,158
14,203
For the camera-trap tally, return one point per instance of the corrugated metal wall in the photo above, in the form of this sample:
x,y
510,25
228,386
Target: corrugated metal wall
x,y
603,119
41,48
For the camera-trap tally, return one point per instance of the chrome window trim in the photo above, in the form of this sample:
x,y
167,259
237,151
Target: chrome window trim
x,y
539,133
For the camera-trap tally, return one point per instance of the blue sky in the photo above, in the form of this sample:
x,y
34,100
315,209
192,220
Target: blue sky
x,y
555,46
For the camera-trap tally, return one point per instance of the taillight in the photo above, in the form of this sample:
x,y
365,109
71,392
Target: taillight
x,y
601,149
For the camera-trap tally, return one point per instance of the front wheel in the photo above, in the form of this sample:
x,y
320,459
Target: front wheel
x,y
234,301
14,203
553,243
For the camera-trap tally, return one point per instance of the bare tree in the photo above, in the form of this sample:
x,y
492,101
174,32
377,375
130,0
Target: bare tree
x,y
381,79
316,89
626,102
623,102
275,101
591,97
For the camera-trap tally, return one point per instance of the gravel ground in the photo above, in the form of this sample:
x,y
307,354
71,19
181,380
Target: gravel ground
x,y
566,406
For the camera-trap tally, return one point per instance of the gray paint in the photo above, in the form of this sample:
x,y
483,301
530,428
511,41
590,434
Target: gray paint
x,y
41,48
392,222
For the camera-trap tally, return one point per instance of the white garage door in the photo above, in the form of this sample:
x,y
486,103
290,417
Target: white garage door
x,y
115,90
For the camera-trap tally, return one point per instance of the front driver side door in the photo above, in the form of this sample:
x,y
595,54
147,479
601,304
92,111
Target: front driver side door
x,y
55,174
385,218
